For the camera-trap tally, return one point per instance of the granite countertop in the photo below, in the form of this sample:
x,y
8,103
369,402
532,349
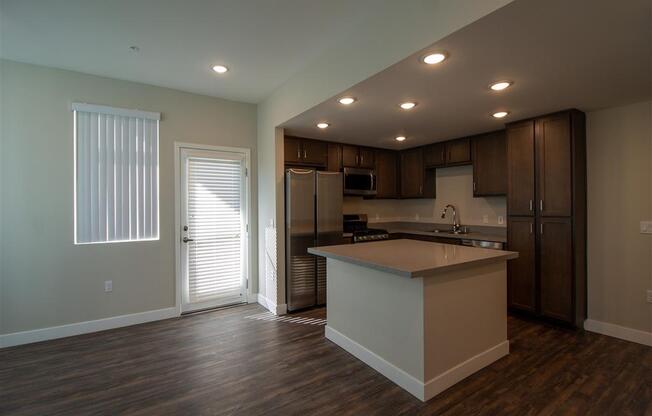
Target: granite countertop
x,y
484,233
412,258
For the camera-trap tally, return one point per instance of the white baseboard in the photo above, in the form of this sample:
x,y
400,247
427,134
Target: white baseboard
x,y
281,309
406,381
617,331
44,334
464,369
414,386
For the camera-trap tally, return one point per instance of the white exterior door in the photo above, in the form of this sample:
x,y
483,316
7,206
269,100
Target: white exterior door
x,y
214,240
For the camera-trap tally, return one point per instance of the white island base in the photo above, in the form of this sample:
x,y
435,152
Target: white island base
x,y
425,333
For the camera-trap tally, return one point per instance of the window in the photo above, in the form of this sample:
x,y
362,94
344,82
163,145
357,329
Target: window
x,y
116,174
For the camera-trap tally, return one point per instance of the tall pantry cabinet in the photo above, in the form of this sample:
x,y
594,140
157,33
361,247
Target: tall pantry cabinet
x,y
546,207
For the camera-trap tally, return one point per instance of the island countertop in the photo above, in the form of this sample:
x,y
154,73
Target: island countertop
x,y
412,258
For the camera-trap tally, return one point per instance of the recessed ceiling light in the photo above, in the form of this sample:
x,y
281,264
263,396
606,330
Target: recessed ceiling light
x,y
500,85
347,100
500,114
322,125
434,58
408,105
400,138
220,69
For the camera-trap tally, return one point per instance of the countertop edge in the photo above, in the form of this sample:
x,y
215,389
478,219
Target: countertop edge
x,y
431,272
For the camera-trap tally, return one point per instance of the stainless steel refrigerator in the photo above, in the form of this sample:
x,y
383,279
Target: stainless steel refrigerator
x,y
313,217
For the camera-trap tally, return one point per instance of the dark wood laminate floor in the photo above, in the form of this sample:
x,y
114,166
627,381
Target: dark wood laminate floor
x,y
220,363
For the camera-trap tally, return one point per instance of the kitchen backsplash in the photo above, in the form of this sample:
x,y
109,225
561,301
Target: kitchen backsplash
x,y
454,186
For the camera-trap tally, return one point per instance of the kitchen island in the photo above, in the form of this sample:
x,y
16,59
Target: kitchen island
x,y
425,315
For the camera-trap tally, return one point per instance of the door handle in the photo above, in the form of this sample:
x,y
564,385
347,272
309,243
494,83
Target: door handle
x,y
531,205
187,240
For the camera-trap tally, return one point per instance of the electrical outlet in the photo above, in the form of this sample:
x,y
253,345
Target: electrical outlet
x,y
649,296
646,227
485,219
108,286
501,220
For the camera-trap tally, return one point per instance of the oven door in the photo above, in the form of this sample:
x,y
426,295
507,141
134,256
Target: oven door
x,y
359,182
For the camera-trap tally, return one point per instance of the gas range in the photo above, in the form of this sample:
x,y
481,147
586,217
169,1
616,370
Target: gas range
x,y
357,225
370,234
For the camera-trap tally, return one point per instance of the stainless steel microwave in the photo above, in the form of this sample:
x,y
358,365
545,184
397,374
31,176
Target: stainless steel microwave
x,y
359,182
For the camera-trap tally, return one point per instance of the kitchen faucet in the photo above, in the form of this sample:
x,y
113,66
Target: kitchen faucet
x,y
456,224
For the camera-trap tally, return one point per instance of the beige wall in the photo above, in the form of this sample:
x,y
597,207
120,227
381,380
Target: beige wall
x,y
619,143
46,280
454,186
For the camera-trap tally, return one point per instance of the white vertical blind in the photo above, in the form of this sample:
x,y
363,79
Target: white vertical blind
x,y
215,223
116,174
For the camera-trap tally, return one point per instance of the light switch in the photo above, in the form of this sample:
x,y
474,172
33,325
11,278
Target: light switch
x,y
108,286
646,227
500,219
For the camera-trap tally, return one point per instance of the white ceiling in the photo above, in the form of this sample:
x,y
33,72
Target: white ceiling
x,y
585,54
263,42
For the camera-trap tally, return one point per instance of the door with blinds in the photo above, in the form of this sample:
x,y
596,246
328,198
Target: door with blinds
x,y
214,243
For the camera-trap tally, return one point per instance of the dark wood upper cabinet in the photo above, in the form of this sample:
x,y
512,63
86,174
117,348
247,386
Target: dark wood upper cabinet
x,y
357,157
521,272
300,151
292,150
366,158
520,168
434,155
489,153
314,152
334,157
556,268
387,185
553,162
451,153
349,156
412,173
416,180
458,152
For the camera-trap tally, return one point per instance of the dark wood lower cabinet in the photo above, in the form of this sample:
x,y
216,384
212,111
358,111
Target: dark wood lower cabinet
x,y
543,280
556,276
521,272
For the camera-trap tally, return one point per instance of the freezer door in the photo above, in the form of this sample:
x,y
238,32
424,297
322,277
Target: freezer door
x,y
300,235
329,222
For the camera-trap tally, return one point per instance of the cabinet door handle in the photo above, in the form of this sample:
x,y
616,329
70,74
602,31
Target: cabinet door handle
x,y
473,186
361,159
420,189
541,205
305,154
357,159
298,153
531,205
541,228
531,228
